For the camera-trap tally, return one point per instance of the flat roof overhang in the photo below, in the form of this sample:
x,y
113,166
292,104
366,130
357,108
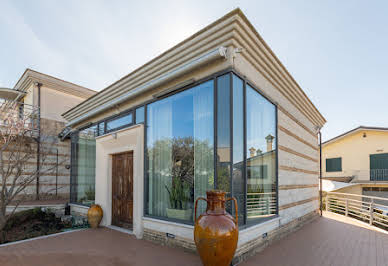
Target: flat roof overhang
x,y
10,94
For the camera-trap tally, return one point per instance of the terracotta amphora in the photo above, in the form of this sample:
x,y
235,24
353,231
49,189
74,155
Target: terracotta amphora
x,y
216,231
95,214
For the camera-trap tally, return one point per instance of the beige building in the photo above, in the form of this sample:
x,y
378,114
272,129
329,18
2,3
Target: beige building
x,y
359,160
46,97
218,110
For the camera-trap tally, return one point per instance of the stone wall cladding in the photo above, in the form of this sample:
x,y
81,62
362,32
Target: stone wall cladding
x,y
295,195
53,184
296,145
161,238
48,180
252,247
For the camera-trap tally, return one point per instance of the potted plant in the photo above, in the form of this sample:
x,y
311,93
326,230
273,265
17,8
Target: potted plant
x,y
89,196
179,197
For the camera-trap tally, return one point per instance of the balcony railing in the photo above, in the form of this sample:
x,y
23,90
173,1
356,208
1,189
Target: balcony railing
x,y
379,175
17,117
357,176
363,208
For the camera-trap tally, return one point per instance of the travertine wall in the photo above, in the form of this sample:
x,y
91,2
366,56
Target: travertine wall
x,y
54,181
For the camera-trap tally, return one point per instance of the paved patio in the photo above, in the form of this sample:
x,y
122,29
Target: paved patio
x,y
331,240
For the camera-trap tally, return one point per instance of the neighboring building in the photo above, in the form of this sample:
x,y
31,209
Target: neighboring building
x,y
217,110
359,160
46,97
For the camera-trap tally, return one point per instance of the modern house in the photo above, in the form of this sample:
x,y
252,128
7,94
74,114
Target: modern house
x,y
216,111
43,99
356,162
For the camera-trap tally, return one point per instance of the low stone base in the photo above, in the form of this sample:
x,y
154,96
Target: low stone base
x,y
243,252
176,241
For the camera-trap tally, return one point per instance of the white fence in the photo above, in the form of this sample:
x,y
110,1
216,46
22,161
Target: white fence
x,y
360,207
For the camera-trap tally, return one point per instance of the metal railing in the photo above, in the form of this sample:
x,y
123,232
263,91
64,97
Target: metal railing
x,y
363,208
19,115
379,174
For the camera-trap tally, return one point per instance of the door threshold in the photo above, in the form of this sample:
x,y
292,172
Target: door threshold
x,y
120,229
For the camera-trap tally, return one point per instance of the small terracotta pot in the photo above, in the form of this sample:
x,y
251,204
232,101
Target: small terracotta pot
x,y
95,214
215,231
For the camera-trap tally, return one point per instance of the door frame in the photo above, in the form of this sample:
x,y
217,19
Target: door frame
x,y
112,156
124,140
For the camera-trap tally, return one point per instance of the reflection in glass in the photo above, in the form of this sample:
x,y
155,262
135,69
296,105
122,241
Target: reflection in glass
x,y
223,133
140,115
83,183
119,122
238,183
101,128
179,152
261,156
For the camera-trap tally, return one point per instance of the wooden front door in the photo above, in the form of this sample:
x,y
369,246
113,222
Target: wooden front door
x,y
122,189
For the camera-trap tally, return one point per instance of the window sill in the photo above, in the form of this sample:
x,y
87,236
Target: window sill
x,y
78,205
168,222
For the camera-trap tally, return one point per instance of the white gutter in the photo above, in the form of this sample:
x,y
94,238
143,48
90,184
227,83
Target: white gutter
x,y
220,52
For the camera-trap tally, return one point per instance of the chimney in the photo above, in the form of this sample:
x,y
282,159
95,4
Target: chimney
x,y
269,139
258,151
252,152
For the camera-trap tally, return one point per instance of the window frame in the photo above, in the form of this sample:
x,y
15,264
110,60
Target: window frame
x,y
121,115
214,77
74,150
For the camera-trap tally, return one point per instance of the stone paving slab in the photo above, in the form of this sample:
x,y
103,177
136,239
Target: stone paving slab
x,y
105,247
333,240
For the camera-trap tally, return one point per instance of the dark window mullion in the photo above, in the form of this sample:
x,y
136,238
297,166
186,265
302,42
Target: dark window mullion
x,y
245,151
215,133
231,136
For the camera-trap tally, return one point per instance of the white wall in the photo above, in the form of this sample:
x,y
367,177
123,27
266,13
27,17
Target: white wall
x,y
129,139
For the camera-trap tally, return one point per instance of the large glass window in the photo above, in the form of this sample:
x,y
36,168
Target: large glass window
x,y
180,152
223,133
83,166
261,156
238,178
180,162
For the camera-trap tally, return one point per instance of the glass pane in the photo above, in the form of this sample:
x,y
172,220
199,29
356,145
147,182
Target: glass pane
x,y
238,183
179,152
261,156
119,122
101,129
83,187
223,133
140,115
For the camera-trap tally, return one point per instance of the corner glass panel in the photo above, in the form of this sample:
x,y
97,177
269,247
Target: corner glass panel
x,y
140,115
261,156
84,166
223,133
179,153
119,122
101,128
238,178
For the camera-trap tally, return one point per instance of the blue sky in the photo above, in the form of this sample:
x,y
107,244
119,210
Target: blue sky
x,y
335,50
